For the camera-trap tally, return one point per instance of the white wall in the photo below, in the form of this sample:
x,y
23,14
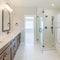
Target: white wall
x,y
57,31
16,17
1,5
19,14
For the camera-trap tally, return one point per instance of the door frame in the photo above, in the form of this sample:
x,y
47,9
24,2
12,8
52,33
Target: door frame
x,y
33,24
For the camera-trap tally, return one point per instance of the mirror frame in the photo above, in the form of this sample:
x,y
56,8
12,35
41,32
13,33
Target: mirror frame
x,y
3,30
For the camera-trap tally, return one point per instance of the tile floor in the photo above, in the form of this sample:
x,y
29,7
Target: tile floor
x,y
30,50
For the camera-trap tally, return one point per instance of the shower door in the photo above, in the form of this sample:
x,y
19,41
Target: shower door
x,y
46,31
49,42
41,31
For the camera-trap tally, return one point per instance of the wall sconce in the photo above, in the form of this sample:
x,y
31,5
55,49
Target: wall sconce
x,y
7,7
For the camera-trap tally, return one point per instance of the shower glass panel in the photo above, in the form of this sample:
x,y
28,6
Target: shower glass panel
x,y
49,42
46,30
41,31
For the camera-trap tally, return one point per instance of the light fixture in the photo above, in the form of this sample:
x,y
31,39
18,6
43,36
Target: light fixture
x,y
8,7
53,4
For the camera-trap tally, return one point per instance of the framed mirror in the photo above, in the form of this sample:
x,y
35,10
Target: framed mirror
x,y
5,20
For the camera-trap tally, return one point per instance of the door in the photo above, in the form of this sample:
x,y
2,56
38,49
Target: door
x,y
41,31
49,42
29,30
45,24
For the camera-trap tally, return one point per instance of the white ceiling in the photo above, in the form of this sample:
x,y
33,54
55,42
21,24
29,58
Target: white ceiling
x,y
36,3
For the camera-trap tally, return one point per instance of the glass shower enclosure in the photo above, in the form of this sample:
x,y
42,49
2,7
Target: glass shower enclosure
x,y
45,23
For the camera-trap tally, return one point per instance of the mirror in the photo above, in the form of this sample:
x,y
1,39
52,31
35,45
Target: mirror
x,y
5,20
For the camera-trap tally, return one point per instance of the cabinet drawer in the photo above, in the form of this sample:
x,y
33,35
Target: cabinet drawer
x,y
5,55
4,48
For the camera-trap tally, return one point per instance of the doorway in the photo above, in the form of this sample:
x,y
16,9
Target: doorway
x,y
29,30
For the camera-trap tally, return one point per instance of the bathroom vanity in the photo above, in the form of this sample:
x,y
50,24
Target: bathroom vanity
x,y
9,45
9,42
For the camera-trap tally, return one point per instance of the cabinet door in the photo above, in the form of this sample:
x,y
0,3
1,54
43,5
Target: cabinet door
x,y
1,58
11,51
14,44
6,54
18,40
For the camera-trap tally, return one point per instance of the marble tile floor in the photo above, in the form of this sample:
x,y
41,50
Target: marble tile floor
x,y
31,50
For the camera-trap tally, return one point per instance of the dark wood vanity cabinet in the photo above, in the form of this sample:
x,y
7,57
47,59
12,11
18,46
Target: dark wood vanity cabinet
x,y
18,38
8,52
5,53
14,47
1,57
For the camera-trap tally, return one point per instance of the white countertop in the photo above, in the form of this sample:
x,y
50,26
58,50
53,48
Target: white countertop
x,y
7,38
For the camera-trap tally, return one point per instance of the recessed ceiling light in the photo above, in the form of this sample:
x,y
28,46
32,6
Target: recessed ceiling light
x,y
52,4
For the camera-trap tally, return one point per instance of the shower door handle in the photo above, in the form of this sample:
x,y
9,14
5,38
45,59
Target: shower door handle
x,y
52,29
52,20
52,24
40,29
